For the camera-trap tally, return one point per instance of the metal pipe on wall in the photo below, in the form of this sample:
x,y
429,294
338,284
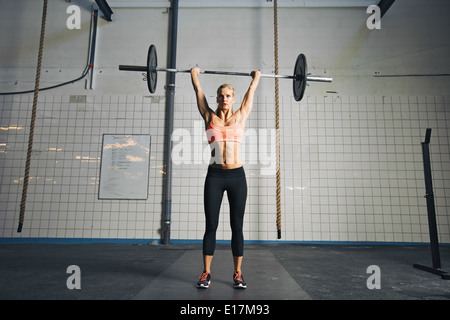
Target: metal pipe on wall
x,y
92,44
170,100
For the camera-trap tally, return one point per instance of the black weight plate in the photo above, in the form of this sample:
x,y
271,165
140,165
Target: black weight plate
x,y
300,74
152,64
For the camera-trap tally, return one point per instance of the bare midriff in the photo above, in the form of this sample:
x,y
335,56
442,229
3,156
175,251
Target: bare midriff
x,y
225,155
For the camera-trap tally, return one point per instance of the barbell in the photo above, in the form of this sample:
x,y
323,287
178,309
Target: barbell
x,y
300,76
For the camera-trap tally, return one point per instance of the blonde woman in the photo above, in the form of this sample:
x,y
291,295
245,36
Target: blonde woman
x,y
224,130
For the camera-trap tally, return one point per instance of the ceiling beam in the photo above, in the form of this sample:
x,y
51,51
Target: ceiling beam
x,y
106,9
384,6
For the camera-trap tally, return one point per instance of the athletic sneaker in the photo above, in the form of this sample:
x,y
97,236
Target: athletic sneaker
x,y
204,280
238,280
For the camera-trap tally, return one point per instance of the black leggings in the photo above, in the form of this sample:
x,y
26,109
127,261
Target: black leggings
x,y
232,181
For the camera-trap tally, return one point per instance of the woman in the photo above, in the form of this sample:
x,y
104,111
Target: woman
x,y
224,130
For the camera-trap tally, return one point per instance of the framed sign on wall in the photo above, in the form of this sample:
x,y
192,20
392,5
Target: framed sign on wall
x,y
124,167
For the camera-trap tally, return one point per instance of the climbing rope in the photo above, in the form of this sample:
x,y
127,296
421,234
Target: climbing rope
x,y
33,120
277,119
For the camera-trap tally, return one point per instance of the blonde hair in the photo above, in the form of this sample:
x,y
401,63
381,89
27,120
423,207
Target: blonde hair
x,y
224,86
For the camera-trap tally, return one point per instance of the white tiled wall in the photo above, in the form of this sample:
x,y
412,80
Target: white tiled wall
x,y
63,191
351,169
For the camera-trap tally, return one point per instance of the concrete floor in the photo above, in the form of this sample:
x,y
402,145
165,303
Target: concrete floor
x,y
272,272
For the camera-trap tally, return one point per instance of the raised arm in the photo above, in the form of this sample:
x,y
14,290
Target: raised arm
x,y
202,104
247,102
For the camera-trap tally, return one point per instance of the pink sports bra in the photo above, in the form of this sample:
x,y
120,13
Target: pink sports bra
x,y
217,133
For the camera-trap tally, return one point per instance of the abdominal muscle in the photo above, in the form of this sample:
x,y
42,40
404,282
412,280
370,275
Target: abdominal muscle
x,y
225,155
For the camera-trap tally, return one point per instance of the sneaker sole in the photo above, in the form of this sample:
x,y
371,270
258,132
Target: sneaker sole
x,y
203,286
240,286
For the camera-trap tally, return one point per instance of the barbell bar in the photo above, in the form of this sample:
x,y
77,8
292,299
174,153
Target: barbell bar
x,y
300,76
247,74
